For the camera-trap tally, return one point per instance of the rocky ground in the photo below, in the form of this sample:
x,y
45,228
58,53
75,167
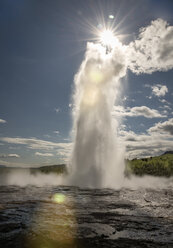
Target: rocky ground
x,y
69,217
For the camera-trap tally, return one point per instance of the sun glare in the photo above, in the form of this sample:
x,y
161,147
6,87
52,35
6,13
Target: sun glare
x,y
90,96
107,38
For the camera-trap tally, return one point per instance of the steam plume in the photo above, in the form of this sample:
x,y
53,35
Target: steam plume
x,y
96,161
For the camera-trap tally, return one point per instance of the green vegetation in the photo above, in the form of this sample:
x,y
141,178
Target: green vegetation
x,y
155,166
58,169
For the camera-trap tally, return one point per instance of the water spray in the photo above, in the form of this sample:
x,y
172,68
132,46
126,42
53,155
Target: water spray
x,y
96,160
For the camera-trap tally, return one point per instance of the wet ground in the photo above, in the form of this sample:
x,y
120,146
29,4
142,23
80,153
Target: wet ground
x,y
68,217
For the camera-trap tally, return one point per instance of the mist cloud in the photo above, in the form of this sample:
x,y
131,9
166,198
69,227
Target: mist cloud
x,y
97,85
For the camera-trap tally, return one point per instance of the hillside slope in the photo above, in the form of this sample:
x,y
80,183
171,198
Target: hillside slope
x,y
155,166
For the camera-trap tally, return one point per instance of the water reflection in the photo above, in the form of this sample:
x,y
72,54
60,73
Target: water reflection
x,y
54,223
58,198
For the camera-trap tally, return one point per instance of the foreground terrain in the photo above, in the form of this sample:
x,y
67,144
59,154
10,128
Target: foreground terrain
x,y
68,217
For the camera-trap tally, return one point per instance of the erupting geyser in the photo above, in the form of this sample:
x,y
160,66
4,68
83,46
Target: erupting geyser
x,y
96,159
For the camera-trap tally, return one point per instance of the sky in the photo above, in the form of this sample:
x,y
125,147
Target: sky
x,y
42,45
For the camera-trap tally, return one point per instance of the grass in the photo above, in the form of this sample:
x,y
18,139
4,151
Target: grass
x,y
155,166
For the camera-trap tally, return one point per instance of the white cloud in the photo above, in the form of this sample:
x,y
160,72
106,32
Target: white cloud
x,y
164,101
159,90
145,145
157,140
146,112
3,121
63,150
44,154
11,155
136,111
163,127
57,110
165,107
153,50
34,143
57,132
65,153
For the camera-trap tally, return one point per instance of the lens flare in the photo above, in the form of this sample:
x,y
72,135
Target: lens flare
x,y
95,76
54,224
58,198
111,16
108,38
90,96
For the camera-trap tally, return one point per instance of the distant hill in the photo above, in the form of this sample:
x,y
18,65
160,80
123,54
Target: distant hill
x,y
155,166
168,152
58,169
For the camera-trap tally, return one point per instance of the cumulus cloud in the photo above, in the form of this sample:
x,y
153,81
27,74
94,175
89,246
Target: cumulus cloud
x,y
2,121
153,50
159,90
44,154
146,112
145,144
163,127
136,111
11,155
157,140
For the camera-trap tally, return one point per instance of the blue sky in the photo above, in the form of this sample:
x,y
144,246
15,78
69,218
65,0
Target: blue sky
x,y
42,45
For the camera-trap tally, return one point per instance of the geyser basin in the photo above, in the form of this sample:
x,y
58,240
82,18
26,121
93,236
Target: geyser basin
x,y
31,218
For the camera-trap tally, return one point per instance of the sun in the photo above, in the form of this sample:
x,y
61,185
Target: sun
x,y
107,38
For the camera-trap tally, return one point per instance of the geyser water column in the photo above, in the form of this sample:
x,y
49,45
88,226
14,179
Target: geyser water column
x,y
95,158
